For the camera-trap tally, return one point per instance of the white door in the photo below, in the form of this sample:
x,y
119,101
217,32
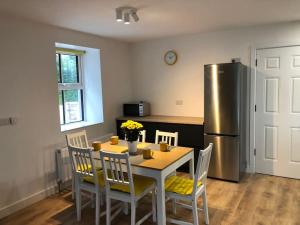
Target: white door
x,y
277,125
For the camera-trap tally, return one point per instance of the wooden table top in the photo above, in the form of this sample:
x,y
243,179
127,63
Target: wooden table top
x,y
160,160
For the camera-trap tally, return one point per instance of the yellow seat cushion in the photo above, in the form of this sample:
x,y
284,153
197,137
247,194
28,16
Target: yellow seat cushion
x,y
89,167
180,185
141,183
100,175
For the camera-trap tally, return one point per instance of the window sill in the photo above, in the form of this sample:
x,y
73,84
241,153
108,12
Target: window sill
x,y
77,125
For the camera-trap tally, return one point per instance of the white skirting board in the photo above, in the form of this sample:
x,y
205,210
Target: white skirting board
x,y
42,194
27,201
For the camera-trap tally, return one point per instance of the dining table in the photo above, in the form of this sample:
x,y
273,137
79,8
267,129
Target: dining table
x,y
159,167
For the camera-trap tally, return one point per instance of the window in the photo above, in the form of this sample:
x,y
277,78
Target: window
x,y
70,86
78,74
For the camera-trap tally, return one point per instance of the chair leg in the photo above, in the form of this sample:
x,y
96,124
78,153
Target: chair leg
x,y
78,202
174,206
154,206
108,210
93,200
133,209
102,195
73,187
205,208
195,212
125,210
97,208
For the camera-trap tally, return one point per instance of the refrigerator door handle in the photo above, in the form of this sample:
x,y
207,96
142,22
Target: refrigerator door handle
x,y
225,135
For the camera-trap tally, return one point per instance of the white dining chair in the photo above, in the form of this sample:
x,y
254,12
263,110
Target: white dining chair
x,y
142,137
184,189
77,139
166,137
87,178
121,185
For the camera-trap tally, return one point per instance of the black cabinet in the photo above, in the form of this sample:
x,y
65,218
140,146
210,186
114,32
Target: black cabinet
x,y
189,135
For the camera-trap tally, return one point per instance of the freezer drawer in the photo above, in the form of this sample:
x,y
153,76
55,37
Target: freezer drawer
x,y
224,162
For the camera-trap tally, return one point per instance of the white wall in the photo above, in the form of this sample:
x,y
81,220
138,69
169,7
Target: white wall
x,y
162,85
28,90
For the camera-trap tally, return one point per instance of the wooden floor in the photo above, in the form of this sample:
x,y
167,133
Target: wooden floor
x,y
258,199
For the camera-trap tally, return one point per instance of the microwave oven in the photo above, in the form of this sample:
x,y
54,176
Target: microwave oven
x,y
136,109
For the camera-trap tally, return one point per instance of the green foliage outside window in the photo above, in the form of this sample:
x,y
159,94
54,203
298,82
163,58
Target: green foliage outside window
x,y
67,72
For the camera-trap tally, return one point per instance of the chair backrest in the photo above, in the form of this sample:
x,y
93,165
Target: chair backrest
x,y
202,166
142,137
166,137
82,163
117,170
77,139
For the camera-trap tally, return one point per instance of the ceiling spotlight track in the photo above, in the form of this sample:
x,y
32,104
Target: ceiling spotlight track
x,y
123,14
126,18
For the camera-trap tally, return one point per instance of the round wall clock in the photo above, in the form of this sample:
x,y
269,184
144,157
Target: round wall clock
x,y
170,57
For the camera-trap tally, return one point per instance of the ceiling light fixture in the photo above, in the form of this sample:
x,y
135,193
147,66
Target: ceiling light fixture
x,y
119,15
135,16
126,18
124,13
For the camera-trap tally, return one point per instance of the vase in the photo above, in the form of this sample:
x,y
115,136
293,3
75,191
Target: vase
x,y
132,147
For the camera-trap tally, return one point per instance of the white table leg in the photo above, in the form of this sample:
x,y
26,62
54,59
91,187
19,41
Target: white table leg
x,y
192,169
161,202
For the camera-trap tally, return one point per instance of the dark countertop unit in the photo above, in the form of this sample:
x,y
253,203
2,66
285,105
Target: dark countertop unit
x,y
166,119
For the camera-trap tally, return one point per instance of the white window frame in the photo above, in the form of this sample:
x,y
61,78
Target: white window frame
x,y
74,86
90,84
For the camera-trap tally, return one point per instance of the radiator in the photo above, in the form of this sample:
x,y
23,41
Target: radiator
x,y
63,168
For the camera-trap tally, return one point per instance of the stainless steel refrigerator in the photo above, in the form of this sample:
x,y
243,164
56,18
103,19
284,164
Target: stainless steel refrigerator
x,y
226,94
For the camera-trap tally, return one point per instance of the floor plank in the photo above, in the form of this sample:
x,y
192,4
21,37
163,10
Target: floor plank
x,y
257,200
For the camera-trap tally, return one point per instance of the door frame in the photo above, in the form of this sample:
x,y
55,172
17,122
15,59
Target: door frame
x,y
253,52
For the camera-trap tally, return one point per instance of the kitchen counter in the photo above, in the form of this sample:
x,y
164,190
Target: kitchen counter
x,y
166,119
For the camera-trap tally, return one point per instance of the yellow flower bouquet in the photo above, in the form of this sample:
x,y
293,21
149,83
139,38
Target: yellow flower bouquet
x,y
132,130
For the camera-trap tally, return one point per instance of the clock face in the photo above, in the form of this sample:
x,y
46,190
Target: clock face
x,y
170,57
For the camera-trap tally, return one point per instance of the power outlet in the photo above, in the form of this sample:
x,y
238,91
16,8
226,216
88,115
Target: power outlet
x,y
179,102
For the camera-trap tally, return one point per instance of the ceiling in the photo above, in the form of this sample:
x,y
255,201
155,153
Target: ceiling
x,y
158,18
